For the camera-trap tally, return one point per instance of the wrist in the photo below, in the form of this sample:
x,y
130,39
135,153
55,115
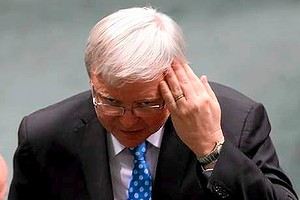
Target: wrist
x,y
208,160
207,144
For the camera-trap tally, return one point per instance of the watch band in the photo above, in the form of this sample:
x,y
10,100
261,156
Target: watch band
x,y
212,156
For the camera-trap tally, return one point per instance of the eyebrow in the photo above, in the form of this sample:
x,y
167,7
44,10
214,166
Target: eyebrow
x,y
105,95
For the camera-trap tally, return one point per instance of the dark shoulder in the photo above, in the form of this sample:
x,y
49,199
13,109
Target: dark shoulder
x,y
52,133
239,111
228,95
62,115
67,104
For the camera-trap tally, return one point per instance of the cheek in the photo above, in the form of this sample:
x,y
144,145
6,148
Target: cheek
x,y
158,120
106,121
165,114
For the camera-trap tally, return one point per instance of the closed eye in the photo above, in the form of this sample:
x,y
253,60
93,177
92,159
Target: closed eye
x,y
109,100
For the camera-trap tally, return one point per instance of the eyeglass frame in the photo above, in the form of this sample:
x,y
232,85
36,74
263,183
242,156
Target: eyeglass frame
x,y
121,108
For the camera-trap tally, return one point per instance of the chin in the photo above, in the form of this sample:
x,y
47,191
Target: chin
x,y
132,140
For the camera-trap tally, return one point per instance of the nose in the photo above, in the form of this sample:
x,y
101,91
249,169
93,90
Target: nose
x,y
128,120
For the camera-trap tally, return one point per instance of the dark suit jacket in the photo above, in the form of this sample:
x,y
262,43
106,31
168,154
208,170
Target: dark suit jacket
x,y
62,155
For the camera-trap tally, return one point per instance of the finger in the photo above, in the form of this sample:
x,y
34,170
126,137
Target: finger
x,y
173,83
167,95
207,87
190,72
184,81
197,84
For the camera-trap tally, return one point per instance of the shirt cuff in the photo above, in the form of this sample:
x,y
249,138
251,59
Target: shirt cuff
x,y
207,172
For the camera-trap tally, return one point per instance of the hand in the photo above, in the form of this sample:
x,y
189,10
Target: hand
x,y
196,115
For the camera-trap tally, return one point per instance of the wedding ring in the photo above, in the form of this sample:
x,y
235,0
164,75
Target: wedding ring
x,y
178,97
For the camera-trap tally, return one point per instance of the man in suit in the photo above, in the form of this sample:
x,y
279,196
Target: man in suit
x,y
202,140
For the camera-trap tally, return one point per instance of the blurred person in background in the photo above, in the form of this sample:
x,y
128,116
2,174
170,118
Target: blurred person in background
x,y
3,178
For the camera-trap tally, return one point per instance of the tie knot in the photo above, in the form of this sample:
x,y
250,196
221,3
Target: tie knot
x,y
139,151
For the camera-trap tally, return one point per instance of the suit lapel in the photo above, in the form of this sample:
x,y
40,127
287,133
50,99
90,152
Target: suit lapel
x,y
172,163
92,150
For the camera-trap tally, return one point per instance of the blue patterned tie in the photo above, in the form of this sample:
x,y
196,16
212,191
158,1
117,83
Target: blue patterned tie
x,y
141,183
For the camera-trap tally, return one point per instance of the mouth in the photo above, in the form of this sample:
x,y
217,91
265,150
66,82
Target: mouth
x,y
131,138
131,132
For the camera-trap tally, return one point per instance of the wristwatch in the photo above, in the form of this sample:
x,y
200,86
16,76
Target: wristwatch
x,y
212,156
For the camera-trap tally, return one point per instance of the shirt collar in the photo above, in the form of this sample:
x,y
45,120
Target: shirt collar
x,y
115,147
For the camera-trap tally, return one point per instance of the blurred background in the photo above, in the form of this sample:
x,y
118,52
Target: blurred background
x,y
252,46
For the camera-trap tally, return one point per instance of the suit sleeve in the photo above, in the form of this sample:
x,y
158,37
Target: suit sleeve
x,y
25,183
249,168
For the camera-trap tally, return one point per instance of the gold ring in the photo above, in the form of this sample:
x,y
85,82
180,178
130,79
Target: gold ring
x,y
178,97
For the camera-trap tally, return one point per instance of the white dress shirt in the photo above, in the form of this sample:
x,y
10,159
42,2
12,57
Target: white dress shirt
x,y
121,162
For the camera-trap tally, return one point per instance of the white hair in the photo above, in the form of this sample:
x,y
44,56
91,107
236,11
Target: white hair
x,y
134,44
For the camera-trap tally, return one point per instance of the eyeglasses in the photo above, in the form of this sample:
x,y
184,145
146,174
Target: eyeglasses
x,y
111,108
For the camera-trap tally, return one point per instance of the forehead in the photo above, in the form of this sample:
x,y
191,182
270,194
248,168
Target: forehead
x,y
129,91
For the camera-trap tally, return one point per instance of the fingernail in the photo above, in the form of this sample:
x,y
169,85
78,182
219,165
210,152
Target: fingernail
x,y
204,78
